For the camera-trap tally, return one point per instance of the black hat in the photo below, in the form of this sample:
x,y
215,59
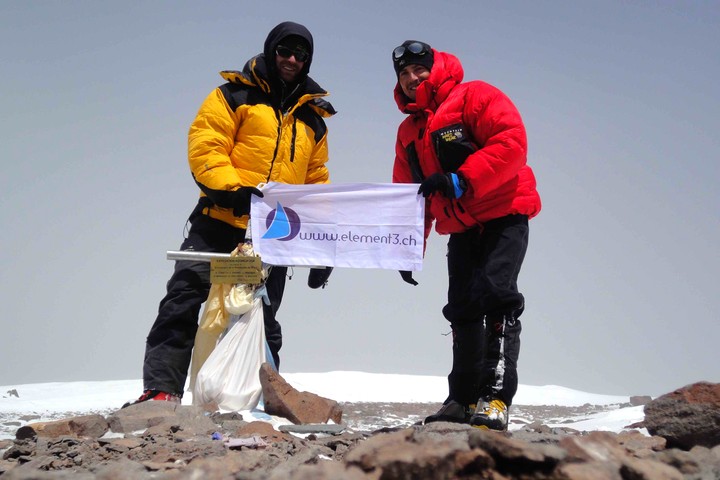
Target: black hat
x,y
412,52
292,33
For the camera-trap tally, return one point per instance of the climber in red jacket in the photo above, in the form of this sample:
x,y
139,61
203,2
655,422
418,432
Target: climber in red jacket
x,y
465,144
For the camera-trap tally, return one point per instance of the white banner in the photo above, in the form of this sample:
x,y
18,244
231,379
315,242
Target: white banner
x,y
356,225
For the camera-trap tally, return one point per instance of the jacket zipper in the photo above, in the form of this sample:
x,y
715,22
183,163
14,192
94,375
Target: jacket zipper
x,y
280,116
292,141
277,144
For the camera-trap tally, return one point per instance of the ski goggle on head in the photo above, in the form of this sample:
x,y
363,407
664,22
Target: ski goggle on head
x,y
300,54
414,48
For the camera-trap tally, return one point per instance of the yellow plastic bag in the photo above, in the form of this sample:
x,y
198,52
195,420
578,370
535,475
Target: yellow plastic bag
x,y
213,323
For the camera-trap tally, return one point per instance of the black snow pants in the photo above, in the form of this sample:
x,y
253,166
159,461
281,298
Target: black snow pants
x,y
484,306
169,344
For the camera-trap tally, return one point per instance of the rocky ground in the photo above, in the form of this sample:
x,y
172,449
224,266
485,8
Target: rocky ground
x,y
159,440
380,441
360,416
368,416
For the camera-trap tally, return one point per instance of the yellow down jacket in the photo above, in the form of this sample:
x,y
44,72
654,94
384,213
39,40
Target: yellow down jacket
x,y
247,132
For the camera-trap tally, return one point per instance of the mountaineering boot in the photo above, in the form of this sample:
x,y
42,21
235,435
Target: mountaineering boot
x,y
318,277
154,395
451,411
490,415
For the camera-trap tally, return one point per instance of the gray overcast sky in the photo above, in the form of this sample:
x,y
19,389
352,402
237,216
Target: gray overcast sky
x,y
621,104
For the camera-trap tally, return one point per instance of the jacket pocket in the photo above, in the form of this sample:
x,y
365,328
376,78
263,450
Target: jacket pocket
x,y
451,216
461,214
452,146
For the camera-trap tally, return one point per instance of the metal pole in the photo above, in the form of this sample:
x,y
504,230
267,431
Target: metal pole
x,y
193,255
207,256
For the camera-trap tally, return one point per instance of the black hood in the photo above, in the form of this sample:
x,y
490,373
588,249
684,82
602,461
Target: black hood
x,y
276,35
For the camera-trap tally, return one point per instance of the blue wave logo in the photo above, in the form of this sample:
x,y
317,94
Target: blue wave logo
x,y
282,224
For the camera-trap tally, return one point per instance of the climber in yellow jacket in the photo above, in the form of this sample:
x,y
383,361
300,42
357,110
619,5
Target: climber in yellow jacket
x,y
265,124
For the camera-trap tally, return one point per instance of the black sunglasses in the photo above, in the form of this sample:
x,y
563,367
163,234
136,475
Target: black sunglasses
x,y
416,48
285,52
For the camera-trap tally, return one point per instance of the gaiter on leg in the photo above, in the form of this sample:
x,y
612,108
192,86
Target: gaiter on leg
x,y
502,349
464,378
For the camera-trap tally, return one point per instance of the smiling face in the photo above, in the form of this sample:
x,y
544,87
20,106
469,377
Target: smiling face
x,y
292,53
288,68
410,77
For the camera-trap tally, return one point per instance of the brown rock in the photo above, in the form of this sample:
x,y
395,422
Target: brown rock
x,y
513,456
595,447
686,417
645,469
161,417
398,455
682,460
364,453
322,471
263,429
475,460
127,443
638,400
57,428
640,445
231,464
140,416
122,469
6,466
281,399
88,426
589,471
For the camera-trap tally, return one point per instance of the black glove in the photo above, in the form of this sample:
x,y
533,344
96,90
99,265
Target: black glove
x,y
449,185
407,276
241,200
318,277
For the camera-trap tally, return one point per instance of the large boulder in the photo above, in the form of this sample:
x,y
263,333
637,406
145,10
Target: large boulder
x,y
281,399
687,417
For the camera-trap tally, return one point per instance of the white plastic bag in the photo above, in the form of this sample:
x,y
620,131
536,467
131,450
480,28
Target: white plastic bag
x,y
230,377
224,300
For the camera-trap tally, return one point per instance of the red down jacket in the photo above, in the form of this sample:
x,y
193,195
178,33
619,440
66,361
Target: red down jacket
x,y
470,128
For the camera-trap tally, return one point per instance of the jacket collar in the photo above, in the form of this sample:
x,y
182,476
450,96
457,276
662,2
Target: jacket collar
x,y
254,74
